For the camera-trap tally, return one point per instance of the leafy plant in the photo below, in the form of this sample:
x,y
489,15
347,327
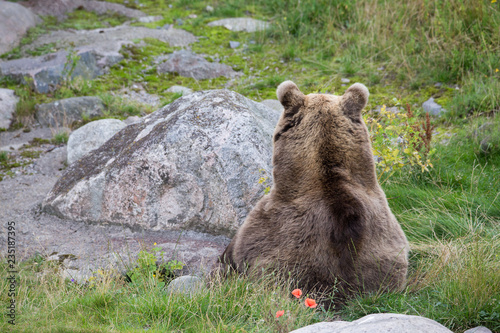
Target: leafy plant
x,y
400,141
60,138
148,268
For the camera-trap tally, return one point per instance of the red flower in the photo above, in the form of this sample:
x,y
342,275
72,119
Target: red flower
x,y
297,293
280,313
310,303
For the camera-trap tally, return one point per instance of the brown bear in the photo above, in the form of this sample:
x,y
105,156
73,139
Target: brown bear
x,y
326,220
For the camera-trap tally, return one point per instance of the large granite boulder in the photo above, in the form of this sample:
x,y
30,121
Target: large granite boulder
x,y
15,20
378,323
8,103
66,111
194,164
91,136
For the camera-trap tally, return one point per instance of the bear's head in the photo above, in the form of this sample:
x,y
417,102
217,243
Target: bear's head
x,y
321,139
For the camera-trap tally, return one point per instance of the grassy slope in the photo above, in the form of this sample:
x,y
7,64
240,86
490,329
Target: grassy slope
x,y
451,214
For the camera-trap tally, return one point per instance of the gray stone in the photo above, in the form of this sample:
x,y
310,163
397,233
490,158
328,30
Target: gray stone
x,y
137,94
233,44
432,107
46,72
180,89
273,104
344,80
66,111
188,64
15,20
486,145
150,19
131,120
485,128
195,164
209,9
378,323
8,103
479,329
185,285
59,8
241,24
106,43
91,136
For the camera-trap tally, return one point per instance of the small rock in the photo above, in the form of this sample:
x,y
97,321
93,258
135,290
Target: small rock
x,y
150,19
185,285
485,145
139,95
192,16
381,68
188,64
70,263
54,257
438,85
484,128
241,24
8,103
167,26
432,107
233,44
180,89
66,111
132,119
378,323
75,275
297,59
92,136
209,9
479,329
179,21
344,80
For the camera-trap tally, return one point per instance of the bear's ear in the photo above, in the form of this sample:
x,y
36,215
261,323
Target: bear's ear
x,y
355,99
289,94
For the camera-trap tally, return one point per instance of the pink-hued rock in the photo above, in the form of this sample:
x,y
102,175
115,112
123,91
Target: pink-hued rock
x,y
194,164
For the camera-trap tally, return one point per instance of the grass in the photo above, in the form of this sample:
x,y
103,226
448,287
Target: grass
x,y
451,214
47,302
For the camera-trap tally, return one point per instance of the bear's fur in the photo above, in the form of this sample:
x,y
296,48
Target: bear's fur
x,y
326,219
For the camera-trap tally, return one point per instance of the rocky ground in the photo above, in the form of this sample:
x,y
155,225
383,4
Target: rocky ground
x,y
83,247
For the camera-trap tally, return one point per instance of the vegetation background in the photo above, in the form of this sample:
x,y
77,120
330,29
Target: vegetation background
x,y
448,204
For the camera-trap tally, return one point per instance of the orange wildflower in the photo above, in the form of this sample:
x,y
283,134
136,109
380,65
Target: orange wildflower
x,y
280,313
297,293
310,303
